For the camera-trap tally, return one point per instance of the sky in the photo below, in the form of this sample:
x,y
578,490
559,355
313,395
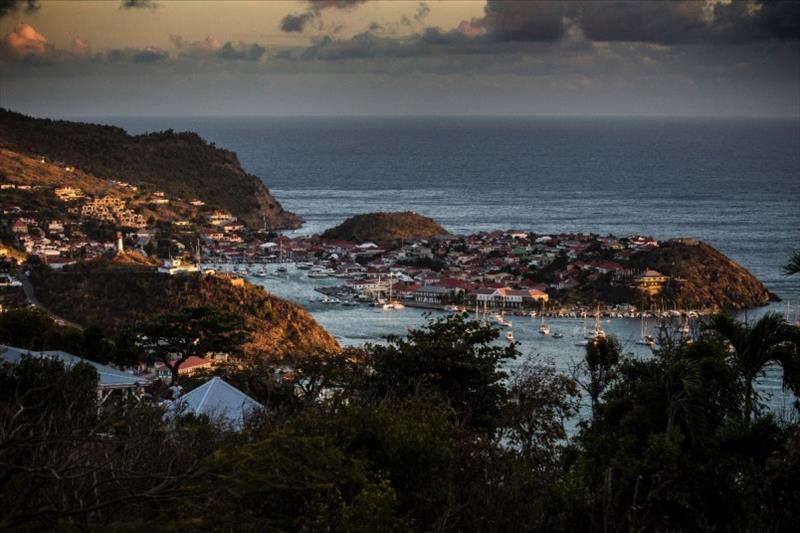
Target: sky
x,y
703,58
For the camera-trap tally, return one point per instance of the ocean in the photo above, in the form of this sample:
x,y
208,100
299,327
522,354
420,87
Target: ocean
x,y
733,183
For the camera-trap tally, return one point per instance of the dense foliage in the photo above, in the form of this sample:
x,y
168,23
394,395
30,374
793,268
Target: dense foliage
x,y
427,433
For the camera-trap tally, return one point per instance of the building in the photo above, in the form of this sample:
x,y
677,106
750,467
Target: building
x,y
192,365
109,380
507,297
69,194
650,282
177,266
432,294
219,401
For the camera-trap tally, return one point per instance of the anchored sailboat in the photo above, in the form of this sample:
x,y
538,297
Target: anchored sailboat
x,y
544,329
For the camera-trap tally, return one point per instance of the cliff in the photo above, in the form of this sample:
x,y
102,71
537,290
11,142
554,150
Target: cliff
x,y
114,294
386,228
702,276
182,165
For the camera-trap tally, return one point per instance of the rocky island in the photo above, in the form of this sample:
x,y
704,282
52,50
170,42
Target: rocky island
x,y
386,228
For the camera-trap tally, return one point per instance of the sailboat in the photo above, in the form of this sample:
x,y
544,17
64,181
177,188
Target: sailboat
x,y
392,304
598,332
281,270
645,339
544,329
685,330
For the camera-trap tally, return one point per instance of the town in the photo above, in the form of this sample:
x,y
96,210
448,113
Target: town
x,y
514,271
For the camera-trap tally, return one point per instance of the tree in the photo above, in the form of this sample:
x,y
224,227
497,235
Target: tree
x,y
173,337
793,266
541,400
769,340
454,357
600,365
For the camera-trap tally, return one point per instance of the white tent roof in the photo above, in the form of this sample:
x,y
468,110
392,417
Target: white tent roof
x,y
218,400
108,377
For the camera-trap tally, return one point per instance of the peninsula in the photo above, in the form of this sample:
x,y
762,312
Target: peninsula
x,y
182,166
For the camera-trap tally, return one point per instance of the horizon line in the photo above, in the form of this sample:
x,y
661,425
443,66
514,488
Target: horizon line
x,y
419,116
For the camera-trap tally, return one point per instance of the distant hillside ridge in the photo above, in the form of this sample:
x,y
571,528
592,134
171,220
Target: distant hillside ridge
x,y
113,294
386,228
705,276
181,164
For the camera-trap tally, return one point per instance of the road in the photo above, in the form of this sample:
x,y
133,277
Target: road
x,y
27,287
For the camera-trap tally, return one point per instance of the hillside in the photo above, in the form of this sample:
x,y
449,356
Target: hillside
x,y
705,276
182,165
386,228
109,295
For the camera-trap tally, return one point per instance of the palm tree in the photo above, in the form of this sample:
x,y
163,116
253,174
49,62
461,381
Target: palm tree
x,y
770,340
793,267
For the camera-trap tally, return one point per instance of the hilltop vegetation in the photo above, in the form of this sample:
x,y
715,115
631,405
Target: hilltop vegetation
x,y
386,228
182,164
705,277
111,295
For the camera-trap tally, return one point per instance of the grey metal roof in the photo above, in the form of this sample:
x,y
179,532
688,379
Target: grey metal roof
x,y
219,401
108,377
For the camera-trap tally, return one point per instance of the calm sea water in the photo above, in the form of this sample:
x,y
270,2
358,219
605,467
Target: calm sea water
x,y
732,183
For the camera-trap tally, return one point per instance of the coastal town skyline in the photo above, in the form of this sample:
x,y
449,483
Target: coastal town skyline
x,y
358,57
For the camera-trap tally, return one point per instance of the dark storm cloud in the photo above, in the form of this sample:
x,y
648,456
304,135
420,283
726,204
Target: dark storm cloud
x,y
298,22
683,22
521,20
663,22
138,4
578,24
243,52
12,6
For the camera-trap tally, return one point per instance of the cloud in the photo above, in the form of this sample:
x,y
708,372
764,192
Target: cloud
x,y
148,55
576,24
667,22
685,21
81,47
520,20
138,4
209,45
298,22
242,51
24,41
11,6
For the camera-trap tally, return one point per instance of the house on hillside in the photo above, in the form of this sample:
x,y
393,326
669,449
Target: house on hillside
x,y
110,380
650,282
216,399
